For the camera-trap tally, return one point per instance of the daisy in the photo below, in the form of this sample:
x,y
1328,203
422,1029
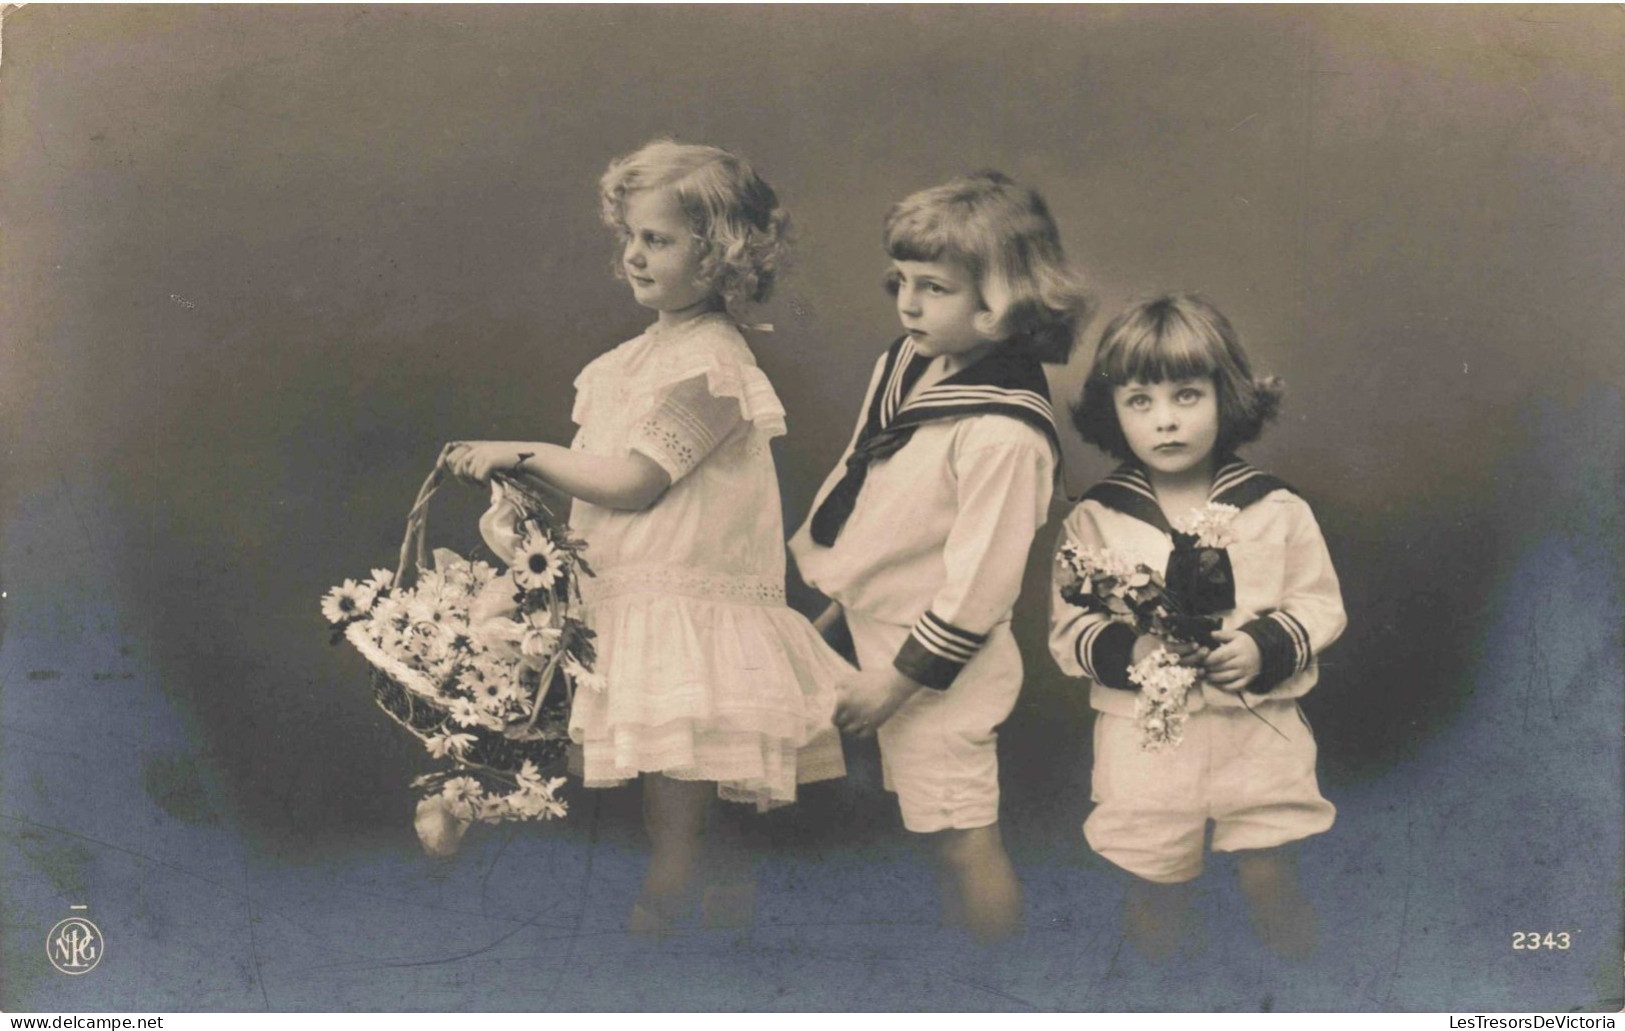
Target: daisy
x,y
536,800
347,601
462,794
444,746
465,712
537,564
496,808
530,776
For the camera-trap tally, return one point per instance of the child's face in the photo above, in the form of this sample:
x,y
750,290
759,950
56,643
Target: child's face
x,y
661,256
937,302
1171,426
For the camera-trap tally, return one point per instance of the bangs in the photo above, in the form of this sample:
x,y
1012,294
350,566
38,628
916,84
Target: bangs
x,y
927,234
1156,347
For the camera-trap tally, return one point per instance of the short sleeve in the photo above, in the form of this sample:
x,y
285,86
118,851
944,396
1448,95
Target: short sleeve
x,y
687,424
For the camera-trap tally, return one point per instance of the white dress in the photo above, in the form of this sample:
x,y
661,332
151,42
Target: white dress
x,y
709,675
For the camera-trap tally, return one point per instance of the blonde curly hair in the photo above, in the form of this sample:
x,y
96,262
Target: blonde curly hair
x,y
731,210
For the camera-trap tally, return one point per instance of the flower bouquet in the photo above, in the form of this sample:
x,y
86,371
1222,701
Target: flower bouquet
x,y
479,664
1105,581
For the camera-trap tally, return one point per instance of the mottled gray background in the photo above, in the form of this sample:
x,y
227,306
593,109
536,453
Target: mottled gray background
x,y
258,263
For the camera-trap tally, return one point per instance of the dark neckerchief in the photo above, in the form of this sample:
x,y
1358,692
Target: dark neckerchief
x,y
1008,381
1200,579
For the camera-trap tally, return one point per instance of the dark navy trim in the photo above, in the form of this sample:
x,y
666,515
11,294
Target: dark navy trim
x,y
1278,652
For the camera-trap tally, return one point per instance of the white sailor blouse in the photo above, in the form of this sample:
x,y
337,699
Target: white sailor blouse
x,y
928,519
1286,595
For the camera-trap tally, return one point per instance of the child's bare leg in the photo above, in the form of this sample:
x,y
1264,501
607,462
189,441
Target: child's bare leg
x,y
729,898
980,885
1282,914
674,815
1156,916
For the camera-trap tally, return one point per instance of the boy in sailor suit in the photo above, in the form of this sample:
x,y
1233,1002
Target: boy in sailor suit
x,y
1172,393
921,534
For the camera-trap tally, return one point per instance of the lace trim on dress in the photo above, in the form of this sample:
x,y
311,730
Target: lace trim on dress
x,y
701,584
680,456
686,427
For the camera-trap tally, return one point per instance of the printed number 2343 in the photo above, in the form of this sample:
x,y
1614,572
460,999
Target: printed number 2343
x,y
1536,940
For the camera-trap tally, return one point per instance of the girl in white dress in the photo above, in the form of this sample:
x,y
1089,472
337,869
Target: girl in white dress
x,y
712,685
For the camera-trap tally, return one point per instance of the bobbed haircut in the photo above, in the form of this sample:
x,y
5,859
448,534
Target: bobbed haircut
x,y
1175,337
1003,234
731,210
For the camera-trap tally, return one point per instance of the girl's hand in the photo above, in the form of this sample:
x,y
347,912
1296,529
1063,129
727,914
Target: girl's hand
x,y
1235,663
867,700
1189,654
475,460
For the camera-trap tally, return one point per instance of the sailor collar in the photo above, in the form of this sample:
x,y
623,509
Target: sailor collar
x,y
1009,381
1128,490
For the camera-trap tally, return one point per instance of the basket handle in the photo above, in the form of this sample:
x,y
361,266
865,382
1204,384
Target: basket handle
x,y
417,523
417,520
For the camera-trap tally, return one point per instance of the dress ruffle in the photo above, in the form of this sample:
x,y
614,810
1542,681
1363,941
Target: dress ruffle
x,y
713,349
737,693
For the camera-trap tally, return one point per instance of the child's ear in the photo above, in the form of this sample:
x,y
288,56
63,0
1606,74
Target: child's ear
x,y
989,322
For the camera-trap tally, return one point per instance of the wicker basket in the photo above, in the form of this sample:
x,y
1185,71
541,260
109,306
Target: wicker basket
x,y
410,698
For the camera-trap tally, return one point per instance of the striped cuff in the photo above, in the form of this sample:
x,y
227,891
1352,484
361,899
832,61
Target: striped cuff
x,y
1283,647
1104,650
935,651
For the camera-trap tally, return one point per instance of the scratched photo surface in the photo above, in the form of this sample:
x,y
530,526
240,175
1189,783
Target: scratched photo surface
x,y
260,263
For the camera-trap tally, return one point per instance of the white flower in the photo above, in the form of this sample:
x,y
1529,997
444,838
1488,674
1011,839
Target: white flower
x,y
465,712
537,564
432,641
382,580
530,777
539,644
537,799
387,608
462,794
581,676
1210,525
347,601
443,746
1161,707
493,692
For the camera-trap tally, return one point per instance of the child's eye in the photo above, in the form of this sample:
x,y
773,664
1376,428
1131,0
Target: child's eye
x,y
1189,395
1138,401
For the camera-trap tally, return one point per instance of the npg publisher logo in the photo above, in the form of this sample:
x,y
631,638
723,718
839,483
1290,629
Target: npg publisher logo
x,y
74,946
